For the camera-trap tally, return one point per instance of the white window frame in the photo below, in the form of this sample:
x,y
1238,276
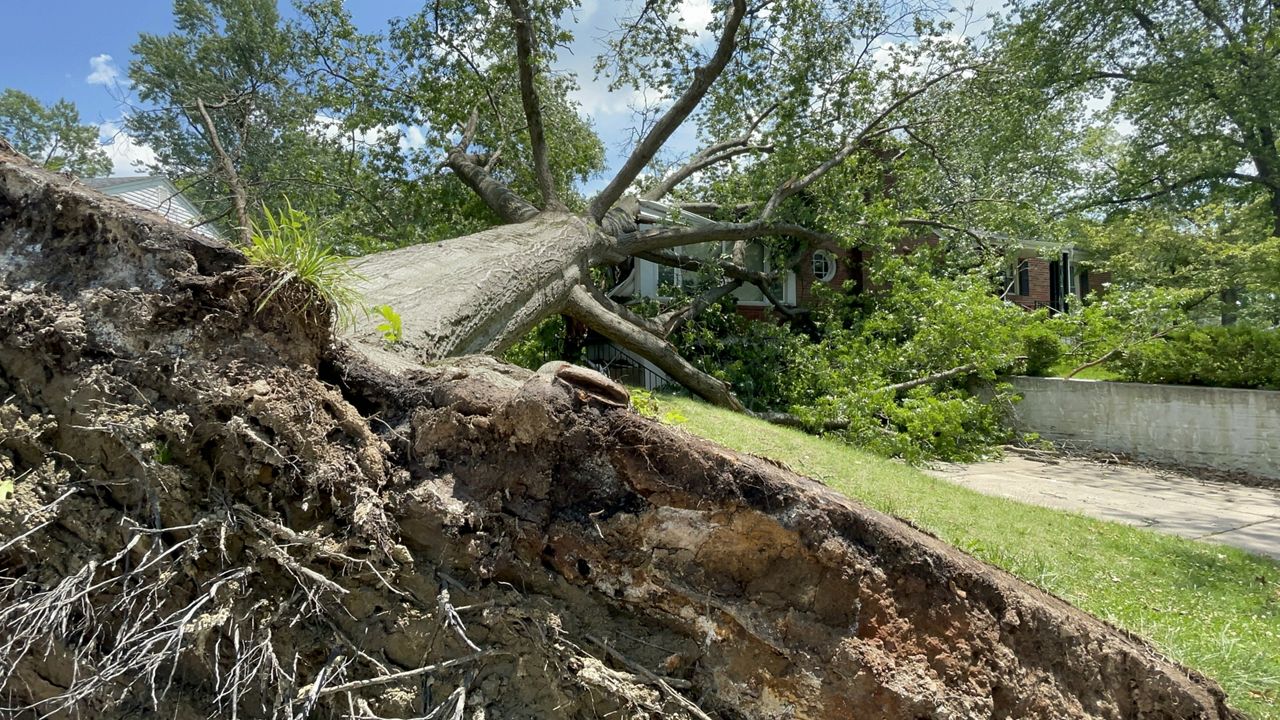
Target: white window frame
x,y
831,262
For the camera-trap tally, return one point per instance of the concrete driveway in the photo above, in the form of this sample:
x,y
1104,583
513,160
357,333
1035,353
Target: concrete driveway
x,y
1246,517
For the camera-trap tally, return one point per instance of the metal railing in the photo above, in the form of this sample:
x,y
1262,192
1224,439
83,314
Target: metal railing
x,y
624,367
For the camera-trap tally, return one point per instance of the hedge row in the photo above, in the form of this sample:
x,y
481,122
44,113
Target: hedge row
x,y
1232,357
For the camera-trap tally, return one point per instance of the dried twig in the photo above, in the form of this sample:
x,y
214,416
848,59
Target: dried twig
x,y
396,677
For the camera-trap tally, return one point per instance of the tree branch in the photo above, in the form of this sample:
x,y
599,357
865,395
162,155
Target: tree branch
x,y
931,378
532,105
586,308
795,185
501,199
675,319
762,280
703,77
239,198
663,238
712,154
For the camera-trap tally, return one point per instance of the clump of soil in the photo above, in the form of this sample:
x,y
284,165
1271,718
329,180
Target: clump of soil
x,y
223,513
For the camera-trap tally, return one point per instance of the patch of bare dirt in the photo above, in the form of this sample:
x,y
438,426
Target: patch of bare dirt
x,y
216,513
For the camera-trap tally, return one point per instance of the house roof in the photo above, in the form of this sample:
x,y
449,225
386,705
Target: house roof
x,y
158,194
110,182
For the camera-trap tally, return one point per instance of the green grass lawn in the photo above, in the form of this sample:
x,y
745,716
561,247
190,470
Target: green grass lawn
x,y
1209,606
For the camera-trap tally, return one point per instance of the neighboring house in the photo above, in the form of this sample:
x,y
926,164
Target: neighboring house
x,y
157,194
1049,275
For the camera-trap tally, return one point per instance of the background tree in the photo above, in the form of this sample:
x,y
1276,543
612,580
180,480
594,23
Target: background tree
x,y
1198,80
52,135
1198,83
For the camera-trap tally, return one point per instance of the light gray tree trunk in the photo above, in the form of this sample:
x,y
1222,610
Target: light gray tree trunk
x,y
480,293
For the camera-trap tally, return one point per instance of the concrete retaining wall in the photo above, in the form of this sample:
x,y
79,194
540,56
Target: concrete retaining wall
x,y
1208,427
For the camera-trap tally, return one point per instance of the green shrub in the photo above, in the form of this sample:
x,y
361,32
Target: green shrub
x,y
1231,357
1042,346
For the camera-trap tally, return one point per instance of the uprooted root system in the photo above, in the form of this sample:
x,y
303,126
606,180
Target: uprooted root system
x,y
219,513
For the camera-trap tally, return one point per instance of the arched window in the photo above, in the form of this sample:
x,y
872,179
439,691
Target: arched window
x,y
824,266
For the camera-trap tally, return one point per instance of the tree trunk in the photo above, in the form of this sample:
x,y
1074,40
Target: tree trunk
x,y
1230,305
480,293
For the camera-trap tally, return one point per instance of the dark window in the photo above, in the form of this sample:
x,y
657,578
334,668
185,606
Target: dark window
x,y
1084,283
1024,278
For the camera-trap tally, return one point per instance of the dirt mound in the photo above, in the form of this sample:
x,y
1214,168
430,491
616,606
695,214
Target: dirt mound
x,y
217,513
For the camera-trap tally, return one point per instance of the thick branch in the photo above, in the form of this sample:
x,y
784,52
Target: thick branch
x,y
239,198
703,77
501,199
583,306
532,105
664,238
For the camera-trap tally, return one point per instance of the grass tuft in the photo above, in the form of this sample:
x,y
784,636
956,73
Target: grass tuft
x,y
289,247
1208,606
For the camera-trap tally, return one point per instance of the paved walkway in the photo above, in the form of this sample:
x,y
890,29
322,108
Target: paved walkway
x,y
1246,517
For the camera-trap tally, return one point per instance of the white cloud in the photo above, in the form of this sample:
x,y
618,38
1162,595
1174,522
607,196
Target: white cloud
x,y
695,16
128,157
413,138
103,71
408,137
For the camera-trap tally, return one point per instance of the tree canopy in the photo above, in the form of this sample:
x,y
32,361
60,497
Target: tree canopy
x,y
53,135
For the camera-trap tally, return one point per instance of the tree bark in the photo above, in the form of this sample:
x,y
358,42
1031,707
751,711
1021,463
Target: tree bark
x,y
480,293
239,198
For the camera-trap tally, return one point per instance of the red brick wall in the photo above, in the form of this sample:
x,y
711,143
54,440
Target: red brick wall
x,y
1039,291
1098,281
847,264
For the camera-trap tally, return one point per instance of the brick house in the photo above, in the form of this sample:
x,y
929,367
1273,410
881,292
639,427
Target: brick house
x,y
1048,275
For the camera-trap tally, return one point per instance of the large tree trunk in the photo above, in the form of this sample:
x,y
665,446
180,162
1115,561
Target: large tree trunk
x,y
482,292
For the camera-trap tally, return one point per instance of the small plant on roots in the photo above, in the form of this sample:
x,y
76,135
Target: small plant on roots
x,y
289,247
391,327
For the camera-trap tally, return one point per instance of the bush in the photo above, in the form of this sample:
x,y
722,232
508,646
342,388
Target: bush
x,y
1042,346
1230,357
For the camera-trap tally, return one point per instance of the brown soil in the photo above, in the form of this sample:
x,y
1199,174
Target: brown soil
x,y
217,513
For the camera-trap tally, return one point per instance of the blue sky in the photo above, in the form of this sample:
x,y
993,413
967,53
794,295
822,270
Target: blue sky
x,y
79,50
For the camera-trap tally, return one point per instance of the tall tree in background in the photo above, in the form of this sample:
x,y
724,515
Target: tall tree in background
x,y
53,135
1198,81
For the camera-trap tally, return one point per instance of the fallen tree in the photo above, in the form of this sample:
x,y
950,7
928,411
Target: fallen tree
x,y
213,511
785,97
